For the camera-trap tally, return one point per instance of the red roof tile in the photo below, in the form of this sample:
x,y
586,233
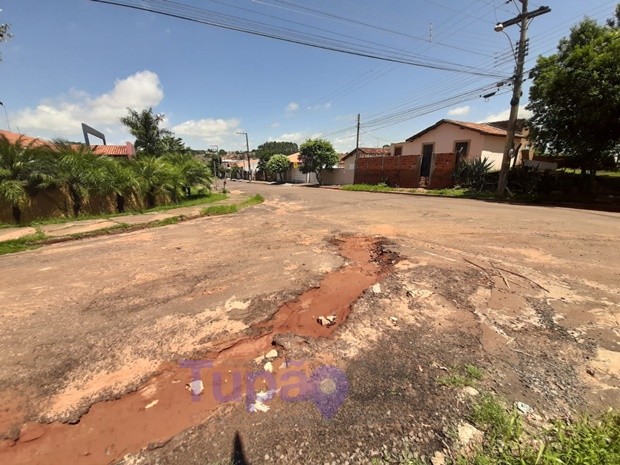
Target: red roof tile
x,y
482,128
107,150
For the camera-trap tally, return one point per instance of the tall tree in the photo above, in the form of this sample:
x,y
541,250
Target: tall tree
x,y
575,96
144,126
270,148
5,35
316,156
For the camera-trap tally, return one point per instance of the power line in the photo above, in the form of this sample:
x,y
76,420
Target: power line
x,y
253,28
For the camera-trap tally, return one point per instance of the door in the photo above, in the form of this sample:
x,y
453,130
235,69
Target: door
x,y
427,155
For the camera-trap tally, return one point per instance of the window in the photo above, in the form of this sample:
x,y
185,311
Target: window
x,y
462,148
398,151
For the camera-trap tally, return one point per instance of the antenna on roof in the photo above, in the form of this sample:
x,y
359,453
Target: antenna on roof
x,y
430,32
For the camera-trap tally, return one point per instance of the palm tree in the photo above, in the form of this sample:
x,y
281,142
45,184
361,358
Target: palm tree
x,y
153,176
20,173
120,180
78,171
187,171
144,126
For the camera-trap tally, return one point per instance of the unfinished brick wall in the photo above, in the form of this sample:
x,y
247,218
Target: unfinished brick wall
x,y
441,170
395,171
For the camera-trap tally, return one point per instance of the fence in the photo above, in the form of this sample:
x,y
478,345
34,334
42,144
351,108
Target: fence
x,y
404,170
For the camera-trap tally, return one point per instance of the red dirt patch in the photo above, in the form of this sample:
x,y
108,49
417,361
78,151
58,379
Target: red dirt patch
x,y
161,408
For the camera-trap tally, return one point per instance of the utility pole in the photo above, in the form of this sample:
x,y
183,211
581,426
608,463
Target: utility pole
x,y
357,143
523,20
247,151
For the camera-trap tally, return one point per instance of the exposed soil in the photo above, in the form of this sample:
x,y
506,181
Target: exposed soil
x,y
160,409
93,331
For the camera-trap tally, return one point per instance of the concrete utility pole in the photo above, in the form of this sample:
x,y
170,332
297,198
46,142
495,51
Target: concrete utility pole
x,y
523,20
247,150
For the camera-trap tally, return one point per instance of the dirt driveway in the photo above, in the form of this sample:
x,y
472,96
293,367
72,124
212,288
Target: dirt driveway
x,y
92,332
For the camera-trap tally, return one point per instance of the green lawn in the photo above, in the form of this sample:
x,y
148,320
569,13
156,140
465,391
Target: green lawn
x,y
602,174
194,199
367,188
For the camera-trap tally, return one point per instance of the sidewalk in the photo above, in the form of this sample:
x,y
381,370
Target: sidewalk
x,y
84,226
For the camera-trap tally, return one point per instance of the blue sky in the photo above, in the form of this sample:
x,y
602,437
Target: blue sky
x,y
74,61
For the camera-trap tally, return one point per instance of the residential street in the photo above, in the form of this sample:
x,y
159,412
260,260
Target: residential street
x,y
92,331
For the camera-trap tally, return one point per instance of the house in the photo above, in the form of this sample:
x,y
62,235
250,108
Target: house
x,y
468,140
294,174
126,151
348,160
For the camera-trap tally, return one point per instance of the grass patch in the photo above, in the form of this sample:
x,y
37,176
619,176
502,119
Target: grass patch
x,y
217,210
164,222
21,244
253,201
367,188
196,199
509,439
192,200
602,174
467,376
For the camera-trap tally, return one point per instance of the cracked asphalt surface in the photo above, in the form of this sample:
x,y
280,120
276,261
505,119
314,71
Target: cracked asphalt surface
x,y
528,293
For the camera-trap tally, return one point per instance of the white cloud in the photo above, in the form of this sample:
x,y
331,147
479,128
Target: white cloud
x,y
63,115
291,107
460,111
319,106
297,137
504,115
213,131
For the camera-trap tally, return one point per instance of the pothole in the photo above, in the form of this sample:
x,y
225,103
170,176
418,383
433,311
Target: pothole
x,y
163,407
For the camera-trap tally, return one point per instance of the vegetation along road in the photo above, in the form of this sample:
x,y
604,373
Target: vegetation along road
x,y
444,314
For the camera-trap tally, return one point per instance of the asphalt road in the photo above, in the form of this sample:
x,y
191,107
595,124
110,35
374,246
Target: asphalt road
x,y
91,320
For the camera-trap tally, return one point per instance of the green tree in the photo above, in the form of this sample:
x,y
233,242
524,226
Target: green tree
x,y
185,172
21,173
268,149
154,178
575,96
144,126
5,35
278,164
171,144
118,179
316,156
77,171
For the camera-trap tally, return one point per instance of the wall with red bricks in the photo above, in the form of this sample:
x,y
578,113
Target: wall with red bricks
x,y
441,170
403,171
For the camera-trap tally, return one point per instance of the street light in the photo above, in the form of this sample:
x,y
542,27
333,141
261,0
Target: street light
x,y
247,148
523,21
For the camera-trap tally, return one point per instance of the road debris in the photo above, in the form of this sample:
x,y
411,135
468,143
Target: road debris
x,y
376,289
196,387
273,353
327,321
524,408
151,404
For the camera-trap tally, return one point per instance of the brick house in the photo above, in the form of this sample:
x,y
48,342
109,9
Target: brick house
x,y
468,140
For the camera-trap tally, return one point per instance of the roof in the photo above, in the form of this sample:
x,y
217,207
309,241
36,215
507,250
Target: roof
x,y
368,151
112,150
294,158
487,129
107,150
26,140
